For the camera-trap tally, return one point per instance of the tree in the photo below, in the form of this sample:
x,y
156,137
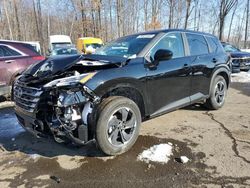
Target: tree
x,y
231,22
118,14
37,19
8,19
171,4
188,12
225,7
246,27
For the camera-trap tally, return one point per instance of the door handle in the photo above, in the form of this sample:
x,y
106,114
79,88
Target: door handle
x,y
10,61
214,60
185,65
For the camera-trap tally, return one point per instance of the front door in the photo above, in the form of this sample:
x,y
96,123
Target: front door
x,y
168,84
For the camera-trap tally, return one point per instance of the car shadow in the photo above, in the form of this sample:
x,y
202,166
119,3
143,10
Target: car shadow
x,y
242,87
196,107
14,138
26,143
3,98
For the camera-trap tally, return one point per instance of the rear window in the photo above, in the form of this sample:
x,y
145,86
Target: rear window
x,y
6,51
197,44
214,45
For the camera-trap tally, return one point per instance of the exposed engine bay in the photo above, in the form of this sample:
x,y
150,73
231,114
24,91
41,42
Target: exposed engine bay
x,y
57,98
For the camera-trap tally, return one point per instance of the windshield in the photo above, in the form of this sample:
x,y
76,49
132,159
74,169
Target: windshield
x,y
64,50
230,48
129,46
61,44
94,45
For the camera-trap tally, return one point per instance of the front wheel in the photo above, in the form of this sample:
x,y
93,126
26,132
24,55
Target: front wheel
x,y
218,93
118,125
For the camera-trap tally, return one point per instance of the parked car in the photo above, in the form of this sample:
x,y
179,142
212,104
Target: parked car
x,y
105,97
15,57
35,44
88,45
240,59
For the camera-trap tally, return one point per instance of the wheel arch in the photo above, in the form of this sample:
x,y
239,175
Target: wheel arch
x,y
224,72
130,88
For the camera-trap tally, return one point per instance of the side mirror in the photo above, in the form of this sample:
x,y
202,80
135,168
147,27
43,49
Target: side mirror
x,y
163,55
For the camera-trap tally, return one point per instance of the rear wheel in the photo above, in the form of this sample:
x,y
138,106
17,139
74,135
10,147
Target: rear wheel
x,y
218,93
118,125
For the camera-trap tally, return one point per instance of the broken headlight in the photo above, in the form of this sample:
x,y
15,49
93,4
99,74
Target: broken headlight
x,y
72,80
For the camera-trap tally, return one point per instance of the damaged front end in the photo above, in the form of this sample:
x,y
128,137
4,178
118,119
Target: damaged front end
x,y
61,107
71,104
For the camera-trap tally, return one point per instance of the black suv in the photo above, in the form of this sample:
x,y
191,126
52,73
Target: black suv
x,y
240,59
106,95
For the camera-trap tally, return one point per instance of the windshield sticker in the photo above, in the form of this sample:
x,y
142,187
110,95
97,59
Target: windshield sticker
x,y
145,36
91,63
132,56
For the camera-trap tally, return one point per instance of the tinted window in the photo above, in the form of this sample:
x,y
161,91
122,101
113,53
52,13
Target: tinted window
x,y
6,51
197,44
214,44
172,42
1,52
31,47
127,47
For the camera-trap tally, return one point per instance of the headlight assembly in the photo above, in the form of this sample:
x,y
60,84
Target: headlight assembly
x,y
72,80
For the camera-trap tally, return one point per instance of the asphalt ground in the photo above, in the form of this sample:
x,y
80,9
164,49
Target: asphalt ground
x,y
216,142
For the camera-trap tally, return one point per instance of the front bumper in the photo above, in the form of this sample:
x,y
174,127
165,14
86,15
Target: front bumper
x,y
28,122
55,112
240,64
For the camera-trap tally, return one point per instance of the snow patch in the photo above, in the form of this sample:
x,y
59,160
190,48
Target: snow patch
x,y
35,156
243,77
184,159
158,153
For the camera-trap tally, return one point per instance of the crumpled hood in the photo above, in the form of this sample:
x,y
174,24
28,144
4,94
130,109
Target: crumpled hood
x,y
59,64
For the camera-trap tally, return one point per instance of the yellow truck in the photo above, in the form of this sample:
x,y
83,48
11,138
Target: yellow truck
x,y
88,45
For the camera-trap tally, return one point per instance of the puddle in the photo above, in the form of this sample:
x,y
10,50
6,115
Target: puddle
x,y
9,127
85,169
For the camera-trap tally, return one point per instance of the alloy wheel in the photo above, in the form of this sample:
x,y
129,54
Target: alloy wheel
x,y
220,92
121,126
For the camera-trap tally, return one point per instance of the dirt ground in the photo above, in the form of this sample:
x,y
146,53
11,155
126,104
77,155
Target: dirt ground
x,y
216,142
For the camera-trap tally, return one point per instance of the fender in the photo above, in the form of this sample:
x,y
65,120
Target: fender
x,y
221,69
110,85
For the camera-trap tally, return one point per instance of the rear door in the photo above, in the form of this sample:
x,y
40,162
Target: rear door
x,y
202,63
168,84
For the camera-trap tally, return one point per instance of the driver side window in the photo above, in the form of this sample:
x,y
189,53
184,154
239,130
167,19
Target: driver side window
x,y
172,42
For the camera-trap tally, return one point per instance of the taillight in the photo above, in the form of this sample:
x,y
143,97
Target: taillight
x,y
38,58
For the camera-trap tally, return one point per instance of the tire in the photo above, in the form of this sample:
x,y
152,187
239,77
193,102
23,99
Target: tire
x,y
217,94
118,125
